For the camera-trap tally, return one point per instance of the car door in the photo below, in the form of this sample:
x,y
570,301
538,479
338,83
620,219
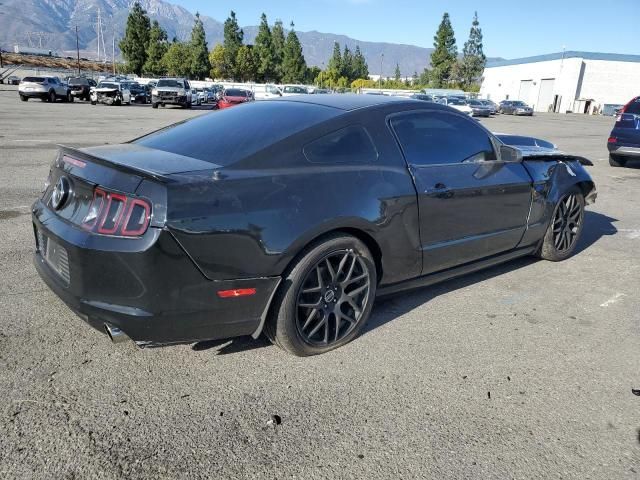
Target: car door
x,y
471,203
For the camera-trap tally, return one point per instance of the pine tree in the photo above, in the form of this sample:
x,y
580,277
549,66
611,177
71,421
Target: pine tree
x,y
217,61
177,60
445,54
136,39
335,62
278,41
200,65
473,58
264,51
233,37
347,67
398,75
360,69
158,46
293,64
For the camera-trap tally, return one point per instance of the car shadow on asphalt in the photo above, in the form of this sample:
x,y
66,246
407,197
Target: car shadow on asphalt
x,y
388,309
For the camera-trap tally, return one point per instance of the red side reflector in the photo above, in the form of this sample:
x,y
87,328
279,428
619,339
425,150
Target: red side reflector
x,y
73,161
612,140
239,292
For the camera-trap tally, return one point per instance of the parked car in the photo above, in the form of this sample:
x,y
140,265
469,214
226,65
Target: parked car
x,y
234,96
201,231
321,91
47,89
288,90
172,91
202,95
264,92
13,80
195,97
80,87
479,109
457,103
515,107
111,93
493,107
624,139
139,93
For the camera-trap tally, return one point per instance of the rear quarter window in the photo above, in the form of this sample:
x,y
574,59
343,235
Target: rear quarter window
x,y
352,144
634,107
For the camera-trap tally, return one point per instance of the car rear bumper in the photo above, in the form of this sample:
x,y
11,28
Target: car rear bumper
x,y
147,287
626,151
34,94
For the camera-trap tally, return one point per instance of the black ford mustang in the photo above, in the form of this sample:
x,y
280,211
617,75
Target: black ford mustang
x,y
292,216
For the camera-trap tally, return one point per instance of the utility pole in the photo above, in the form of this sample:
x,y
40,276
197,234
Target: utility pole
x,y
99,32
113,54
77,50
380,79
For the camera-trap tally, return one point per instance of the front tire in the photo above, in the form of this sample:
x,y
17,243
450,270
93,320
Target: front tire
x,y
565,228
616,161
23,98
52,97
154,105
326,297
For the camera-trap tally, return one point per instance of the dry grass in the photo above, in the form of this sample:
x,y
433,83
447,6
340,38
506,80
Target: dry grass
x,y
53,62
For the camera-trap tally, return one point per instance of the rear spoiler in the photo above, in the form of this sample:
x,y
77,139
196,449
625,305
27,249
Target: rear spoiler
x,y
533,156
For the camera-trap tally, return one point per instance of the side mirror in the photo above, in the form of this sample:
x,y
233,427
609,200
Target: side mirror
x,y
510,154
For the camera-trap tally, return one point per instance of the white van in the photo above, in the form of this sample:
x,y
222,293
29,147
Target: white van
x,y
263,92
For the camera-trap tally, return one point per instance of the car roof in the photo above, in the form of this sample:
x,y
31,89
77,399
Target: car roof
x,y
347,101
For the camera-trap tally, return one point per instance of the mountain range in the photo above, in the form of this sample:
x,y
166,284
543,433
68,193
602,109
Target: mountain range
x,y
51,24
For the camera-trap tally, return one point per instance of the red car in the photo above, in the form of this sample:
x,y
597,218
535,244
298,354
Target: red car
x,y
234,96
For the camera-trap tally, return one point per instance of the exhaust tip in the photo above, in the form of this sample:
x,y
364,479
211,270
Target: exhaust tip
x,y
115,334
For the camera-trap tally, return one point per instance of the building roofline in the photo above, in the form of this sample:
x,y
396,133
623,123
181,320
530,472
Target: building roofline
x,y
612,57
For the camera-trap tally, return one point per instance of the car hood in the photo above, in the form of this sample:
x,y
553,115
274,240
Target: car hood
x,y
105,89
170,89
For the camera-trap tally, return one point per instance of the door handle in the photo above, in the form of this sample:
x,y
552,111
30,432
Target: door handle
x,y
440,190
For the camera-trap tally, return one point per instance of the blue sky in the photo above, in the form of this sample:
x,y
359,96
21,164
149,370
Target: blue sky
x,y
511,28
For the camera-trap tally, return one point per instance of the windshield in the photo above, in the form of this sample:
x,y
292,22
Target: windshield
x,y
519,104
475,102
456,101
235,92
108,85
167,82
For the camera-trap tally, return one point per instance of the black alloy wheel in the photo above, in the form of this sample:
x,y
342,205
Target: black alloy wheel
x,y
565,227
325,298
566,223
332,298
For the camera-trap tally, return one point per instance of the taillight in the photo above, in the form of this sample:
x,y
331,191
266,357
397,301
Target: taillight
x,y
612,140
113,213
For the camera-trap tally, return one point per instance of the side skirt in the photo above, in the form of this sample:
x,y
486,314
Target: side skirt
x,y
449,273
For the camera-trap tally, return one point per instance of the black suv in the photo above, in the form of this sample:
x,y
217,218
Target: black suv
x,y
624,140
80,87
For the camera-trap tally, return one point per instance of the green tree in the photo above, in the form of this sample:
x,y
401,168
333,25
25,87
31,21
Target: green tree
x,y
311,75
246,65
425,77
158,46
347,69
335,62
200,65
360,67
233,37
177,60
294,65
136,39
397,76
473,58
445,54
414,78
264,51
219,68
278,42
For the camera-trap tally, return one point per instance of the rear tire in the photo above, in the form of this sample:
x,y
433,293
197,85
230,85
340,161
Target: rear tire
x,y
565,227
93,103
339,274
70,98
23,98
154,105
617,161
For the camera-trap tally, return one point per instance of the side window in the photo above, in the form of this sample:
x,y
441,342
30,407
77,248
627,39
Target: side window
x,y
348,145
434,138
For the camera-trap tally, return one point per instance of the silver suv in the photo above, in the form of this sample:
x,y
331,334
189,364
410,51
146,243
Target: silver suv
x,y
172,91
47,89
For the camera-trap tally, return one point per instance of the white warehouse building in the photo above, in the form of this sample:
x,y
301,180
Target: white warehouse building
x,y
576,82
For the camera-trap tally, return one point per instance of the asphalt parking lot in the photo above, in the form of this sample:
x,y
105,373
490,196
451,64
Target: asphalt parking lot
x,y
521,371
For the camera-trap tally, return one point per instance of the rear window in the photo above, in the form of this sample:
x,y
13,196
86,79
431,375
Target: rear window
x,y
230,135
634,107
348,145
33,79
78,81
